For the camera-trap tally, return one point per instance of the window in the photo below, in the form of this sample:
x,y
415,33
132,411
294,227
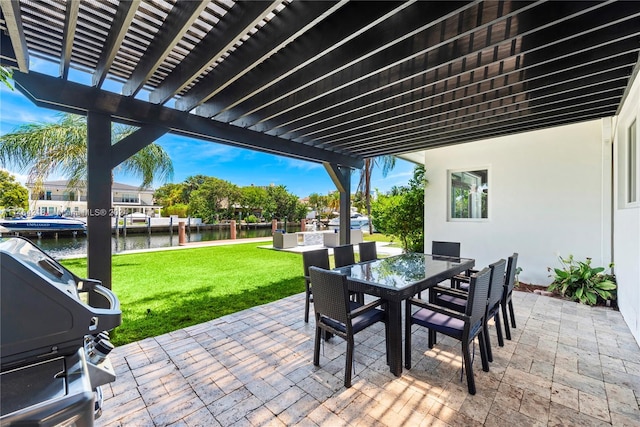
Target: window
x,y
129,198
469,194
632,164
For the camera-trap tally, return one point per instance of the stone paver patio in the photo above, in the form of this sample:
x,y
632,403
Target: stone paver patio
x,y
566,365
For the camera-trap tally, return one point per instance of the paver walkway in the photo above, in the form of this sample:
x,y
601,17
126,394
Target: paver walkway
x,y
566,365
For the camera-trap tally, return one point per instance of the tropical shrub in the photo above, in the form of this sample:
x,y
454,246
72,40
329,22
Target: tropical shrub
x,y
179,209
400,212
583,283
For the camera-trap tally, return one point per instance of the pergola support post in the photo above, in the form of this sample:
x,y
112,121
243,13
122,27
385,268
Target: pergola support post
x,y
99,200
102,157
341,177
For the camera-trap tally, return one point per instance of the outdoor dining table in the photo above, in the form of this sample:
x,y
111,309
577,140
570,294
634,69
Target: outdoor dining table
x,y
397,278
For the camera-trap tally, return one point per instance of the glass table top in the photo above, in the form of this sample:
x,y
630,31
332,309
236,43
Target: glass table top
x,y
400,271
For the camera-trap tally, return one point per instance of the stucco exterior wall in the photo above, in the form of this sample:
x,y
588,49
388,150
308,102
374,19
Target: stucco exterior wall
x,y
549,195
626,250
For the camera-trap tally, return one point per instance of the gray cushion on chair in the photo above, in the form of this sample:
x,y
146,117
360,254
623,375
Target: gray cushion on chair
x,y
454,303
359,322
439,322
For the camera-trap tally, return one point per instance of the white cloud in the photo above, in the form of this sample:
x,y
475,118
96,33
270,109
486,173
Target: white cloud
x,y
21,178
302,165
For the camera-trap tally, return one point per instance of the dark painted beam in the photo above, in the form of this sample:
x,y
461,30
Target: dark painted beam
x,y
512,120
117,31
368,106
398,47
341,177
135,142
611,44
70,22
438,111
13,24
7,54
50,92
183,14
99,200
237,22
319,101
492,130
286,26
334,31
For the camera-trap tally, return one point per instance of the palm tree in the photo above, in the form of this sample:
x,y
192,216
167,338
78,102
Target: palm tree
x,y
44,148
364,186
5,75
333,200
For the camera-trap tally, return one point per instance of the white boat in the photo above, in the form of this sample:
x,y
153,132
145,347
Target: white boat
x,y
42,224
357,221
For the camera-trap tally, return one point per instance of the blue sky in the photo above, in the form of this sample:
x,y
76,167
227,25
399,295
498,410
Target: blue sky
x,y
192,156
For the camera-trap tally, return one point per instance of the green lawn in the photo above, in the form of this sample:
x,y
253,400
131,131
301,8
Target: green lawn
x,y
163,291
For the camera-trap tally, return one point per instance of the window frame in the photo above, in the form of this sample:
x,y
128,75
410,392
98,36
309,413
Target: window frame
x,y
632,161
450,172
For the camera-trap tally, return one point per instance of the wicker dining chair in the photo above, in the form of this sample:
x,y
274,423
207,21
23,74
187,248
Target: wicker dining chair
x,y
455,299
450,249
462,283
317,258
507,302
343,255
337,315
367,251
446,249
465,326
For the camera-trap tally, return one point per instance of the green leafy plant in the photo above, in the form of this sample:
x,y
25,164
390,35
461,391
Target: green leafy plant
x,y
583,283
517,281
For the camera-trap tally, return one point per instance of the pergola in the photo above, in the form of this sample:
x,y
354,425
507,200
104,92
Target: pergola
x,y
335,82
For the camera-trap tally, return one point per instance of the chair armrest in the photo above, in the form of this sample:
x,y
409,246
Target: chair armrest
x,y
462,278
450,291
468,273
363,309
437,308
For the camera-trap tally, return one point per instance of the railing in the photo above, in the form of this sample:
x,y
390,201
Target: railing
x,y
60,198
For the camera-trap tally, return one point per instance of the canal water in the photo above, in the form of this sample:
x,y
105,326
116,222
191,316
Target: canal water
x,y
67,246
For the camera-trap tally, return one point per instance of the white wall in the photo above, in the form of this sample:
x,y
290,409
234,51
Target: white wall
x,y
627,218
549,194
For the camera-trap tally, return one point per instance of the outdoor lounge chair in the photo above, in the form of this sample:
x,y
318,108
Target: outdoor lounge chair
x,y
337,315
367,251
316,258
463,326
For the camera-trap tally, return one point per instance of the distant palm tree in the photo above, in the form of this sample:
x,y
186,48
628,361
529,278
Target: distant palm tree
x,y
364,186
45,148
333,201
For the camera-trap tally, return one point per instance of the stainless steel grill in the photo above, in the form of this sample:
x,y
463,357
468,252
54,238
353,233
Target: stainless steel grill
x,y
54,346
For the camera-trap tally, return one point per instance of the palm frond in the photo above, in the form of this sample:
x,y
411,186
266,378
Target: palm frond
x,y
45,148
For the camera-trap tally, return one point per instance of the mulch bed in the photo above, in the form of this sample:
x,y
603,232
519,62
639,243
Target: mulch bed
x,y
536,289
